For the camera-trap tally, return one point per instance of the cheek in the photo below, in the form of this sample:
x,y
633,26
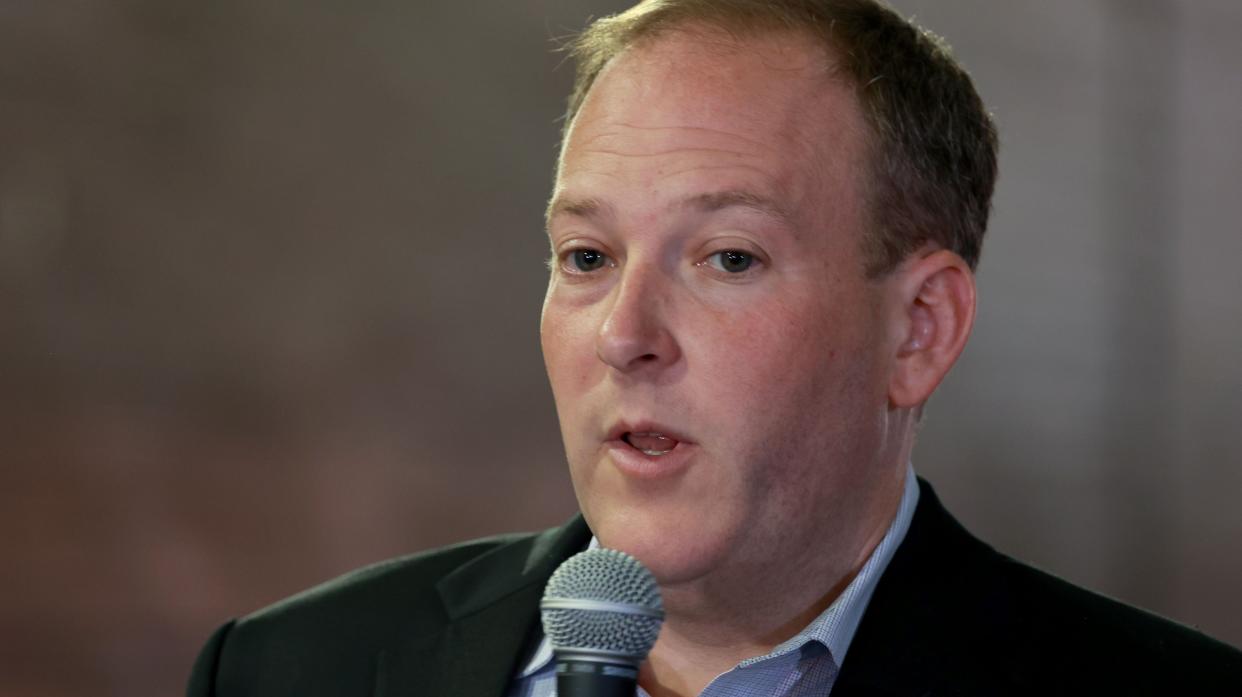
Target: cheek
x,y
771,349
790,377
568,350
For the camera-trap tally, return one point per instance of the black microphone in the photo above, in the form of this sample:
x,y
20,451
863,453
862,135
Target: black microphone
x,y
602,613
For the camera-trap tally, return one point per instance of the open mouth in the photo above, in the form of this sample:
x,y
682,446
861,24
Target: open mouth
x,y
649,443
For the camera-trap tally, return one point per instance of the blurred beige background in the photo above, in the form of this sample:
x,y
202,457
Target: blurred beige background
x,y
270,275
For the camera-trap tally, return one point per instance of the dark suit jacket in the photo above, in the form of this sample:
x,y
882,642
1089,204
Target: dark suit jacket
x,y
950,616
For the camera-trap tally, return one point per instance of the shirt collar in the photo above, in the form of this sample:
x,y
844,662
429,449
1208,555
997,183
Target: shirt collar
x,y
834,628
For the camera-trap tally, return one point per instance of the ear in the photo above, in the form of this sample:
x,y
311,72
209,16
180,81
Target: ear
x,y
935,310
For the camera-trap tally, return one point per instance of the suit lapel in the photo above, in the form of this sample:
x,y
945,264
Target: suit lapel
x,y
492,606
909,642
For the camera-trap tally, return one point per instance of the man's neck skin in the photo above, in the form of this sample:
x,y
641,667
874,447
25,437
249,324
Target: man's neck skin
x,y
711,625
682,664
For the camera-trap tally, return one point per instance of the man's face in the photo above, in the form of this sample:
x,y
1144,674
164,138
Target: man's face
x,y
718,357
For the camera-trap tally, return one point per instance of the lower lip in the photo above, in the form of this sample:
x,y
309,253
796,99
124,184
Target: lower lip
x,y
635,463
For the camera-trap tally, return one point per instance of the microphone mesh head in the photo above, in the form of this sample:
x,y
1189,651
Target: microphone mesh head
x,y
605,575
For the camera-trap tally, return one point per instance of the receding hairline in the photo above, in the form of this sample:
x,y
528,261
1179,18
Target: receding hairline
x,y
728,33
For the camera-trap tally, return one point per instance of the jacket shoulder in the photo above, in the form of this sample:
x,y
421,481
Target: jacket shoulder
x,y
396,589
327,639
1085,638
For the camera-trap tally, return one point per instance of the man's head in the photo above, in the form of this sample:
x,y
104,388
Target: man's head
x,y
932,163
736,375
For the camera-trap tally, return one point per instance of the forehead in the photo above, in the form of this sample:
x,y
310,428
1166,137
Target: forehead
x,y
766,112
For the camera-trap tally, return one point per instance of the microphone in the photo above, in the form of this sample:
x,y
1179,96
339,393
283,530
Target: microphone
x,y
602,613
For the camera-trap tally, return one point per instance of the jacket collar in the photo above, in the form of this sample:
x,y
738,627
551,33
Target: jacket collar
x,y
489,578
908,642
492,606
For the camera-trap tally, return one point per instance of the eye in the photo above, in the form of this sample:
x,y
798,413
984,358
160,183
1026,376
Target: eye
x,y
587,260
731,261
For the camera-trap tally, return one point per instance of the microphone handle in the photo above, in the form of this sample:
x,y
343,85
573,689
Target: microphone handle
x,y
591,679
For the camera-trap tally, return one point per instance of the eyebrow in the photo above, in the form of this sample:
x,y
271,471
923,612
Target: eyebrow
x,y
579,208
711,202
739,198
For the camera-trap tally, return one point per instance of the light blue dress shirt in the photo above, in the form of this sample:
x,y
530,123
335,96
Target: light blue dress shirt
x,y
805,665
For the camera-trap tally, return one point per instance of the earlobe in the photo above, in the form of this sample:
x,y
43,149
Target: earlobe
x,y
937,313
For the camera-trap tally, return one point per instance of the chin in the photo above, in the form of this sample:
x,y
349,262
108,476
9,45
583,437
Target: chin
x,y
675,549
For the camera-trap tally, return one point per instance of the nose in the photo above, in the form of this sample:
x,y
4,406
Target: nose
x,y
636,335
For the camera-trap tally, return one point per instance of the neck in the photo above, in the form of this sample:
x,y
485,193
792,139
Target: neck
x,y
711,624
693,649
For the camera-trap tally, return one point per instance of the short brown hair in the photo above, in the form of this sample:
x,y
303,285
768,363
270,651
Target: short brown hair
x,y
933,145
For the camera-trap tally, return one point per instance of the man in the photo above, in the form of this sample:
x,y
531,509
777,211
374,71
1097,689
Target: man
x,y
764,227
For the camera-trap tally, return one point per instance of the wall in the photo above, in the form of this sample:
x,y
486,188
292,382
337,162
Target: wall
x,y
270,276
